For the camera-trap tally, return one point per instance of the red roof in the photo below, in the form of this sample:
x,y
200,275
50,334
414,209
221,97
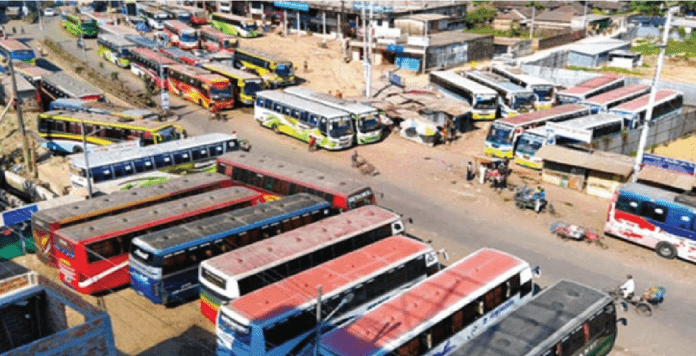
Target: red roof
x,y
641,103
393,320
270,252
333,276
538,115
213,31
616,94
178,25
14,45
199,73
154,56
591,84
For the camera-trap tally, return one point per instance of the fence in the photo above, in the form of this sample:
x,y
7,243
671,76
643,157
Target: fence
x,y
560,39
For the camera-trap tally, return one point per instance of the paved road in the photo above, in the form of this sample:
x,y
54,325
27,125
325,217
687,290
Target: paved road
x,y
462,227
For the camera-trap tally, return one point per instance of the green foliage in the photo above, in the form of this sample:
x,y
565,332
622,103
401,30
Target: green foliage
x,y
682,31
686,47
606,69
514,31
647,8
480,15
597,11
537,5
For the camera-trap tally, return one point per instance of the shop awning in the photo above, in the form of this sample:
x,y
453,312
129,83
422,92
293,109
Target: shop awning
x,y
664,177
598,161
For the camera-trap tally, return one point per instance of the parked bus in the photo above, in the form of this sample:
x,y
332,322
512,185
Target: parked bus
x,y
544,90
605,102
93,256
17,51
99,18
63,130
80,25
117,30
455,304
181,35
143,42
246,269
654,218
234,25
198,16
566,318
589,88
63,85
115,49
366,124
512,98
146,63
667,103
32,73
104,108
303,119
183,57
213,40
482,99
45,223
164,264
155,18
178,14
280,319
244,84
274,70
211,91
106,166
581,130
503,134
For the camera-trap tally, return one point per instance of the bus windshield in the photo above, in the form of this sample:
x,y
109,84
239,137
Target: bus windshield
x,y
226,43
485,102
529,144
340,127
239,332
284,69
220,91
368,123
168,134
123,52
249,26
189,36
500,134
252,86
522,99
543,91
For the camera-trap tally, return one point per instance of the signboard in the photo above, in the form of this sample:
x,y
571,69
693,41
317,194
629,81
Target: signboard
x,y
670,164
395,48
376,8
395,79
165,100
292,5
114,147
19,215
14,283
570,132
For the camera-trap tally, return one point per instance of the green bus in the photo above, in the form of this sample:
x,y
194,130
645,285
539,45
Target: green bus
x,y
80,25
234,25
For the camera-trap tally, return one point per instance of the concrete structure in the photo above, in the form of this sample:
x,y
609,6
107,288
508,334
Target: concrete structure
x,y
25,91
519,17
415,25
33,317
514,47
592,21
598,173
595,55
559,18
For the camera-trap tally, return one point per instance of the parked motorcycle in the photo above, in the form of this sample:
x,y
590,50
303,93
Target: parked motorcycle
x,y
574,232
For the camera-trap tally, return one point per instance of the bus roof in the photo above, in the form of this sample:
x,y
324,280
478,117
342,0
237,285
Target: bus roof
x,y
335,102
167,210
497,80
461,81
199,73
32,71
641,103
98,159
101,204
153,56
591,84
264,254
215,32
230,71
542,114
13,45
260,53
116,40
616,94
92,118
396,321
295,292
301,103
191,233
232,16
549,313
270,166
651,192
591,121
521,75
142,41
71,85
178,25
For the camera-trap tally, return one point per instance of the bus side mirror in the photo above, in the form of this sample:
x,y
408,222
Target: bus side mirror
x,y
622,321
536,272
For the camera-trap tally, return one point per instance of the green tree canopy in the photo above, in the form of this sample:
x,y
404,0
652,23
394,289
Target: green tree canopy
x,y
480,15
538,6
648,8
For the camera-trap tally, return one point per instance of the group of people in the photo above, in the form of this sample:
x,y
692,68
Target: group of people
x,y
496,172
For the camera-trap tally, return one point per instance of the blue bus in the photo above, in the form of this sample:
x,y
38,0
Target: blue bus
x,y
143,42
17,51
164,265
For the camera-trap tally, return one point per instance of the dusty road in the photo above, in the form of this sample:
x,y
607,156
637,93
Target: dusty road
x,y
426,184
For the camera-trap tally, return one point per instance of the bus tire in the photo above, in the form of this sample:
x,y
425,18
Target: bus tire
x,y
666,250
275,128
76,149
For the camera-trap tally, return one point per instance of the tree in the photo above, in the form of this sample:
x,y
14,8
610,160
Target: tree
x,y
481,15
535,4
648,8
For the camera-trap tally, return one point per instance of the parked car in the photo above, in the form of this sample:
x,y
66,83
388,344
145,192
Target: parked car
x,y
50,12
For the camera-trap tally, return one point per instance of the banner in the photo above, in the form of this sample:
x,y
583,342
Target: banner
x,y
569,132
670,164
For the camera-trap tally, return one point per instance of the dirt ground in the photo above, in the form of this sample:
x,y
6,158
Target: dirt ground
x,y
684,148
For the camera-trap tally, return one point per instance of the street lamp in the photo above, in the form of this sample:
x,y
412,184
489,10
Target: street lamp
x,y
320,323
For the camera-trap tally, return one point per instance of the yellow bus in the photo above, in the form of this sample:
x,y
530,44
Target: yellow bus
x,y
275,71
244,84
62,130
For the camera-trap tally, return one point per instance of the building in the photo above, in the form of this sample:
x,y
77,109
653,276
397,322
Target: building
x,y
593,22
34,320
424,24
513,47
559,18
596,54
25,91
514,18
609,7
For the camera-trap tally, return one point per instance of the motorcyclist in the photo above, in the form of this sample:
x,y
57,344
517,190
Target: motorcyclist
x,y
539,199
629,287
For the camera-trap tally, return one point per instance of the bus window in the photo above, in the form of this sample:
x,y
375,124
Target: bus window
x,y
624,203
259,102
654,211
322,126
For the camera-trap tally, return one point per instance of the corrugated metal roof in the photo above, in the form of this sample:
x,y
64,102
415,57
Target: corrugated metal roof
x,y
591,84
668,178
616,94
595,48
642,102
597,161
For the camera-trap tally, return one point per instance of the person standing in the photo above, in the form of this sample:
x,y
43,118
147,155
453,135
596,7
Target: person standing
x,y
629,287
482,173
539,199
469,171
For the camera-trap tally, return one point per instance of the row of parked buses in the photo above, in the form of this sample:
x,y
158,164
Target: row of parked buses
x,y
258,240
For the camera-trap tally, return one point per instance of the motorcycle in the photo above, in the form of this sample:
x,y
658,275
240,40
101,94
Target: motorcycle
x,y
524,199
574,232
643,304
365,167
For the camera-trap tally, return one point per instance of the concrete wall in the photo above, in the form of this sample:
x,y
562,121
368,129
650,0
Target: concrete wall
x,y
581,59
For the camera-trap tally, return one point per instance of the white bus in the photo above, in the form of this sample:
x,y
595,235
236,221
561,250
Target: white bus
x,y
304,120
667,103
589,88
115,49
482,99
605,102
544,90
154,18
367,126
513,99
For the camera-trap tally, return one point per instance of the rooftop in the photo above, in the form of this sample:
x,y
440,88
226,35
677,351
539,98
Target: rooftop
x,y
448,37
597,161
595,48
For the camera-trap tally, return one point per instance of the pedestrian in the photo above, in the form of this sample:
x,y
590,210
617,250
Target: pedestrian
x,y
629,287
539,199
330,93
312,144
22,29
339,94
482,173
306,66
469,171
14,30
502,175
493,175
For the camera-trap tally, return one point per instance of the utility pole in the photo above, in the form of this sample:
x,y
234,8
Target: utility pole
x,y
164,96
38,9
584,19
20,119
531,28
319,320
651,102
82,39
364,26
368,83
87,171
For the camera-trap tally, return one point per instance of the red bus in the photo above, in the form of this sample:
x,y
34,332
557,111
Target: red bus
x,y
181,34
213,40
198,16
211,91
44,223
93,256
146,63
278,177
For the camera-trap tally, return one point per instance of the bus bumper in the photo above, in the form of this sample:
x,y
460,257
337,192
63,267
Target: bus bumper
x,y
543,105
365,139
528,162
501,152
145,286
477,116
220,105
